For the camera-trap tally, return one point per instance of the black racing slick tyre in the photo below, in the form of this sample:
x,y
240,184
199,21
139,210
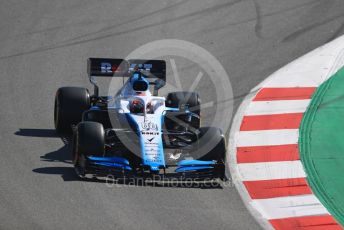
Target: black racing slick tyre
x,y
189,99
178,99
212,144
90,139
70,103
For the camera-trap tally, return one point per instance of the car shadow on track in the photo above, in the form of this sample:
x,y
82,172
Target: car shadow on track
x,y
68,174
60,155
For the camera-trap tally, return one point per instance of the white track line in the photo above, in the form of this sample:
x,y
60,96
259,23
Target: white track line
x,y
291,206
267,137
271,170
277,107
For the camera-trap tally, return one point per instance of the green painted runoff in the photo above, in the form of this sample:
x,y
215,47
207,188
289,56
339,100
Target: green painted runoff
x,y
321,144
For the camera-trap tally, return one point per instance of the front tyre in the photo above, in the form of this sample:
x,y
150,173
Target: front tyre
x,y
89,139
211,144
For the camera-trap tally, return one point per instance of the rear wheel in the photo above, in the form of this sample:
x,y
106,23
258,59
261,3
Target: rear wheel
x,y
70,103
191,100
178,99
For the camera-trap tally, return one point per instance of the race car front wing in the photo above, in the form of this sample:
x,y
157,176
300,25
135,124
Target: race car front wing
x,y
119,167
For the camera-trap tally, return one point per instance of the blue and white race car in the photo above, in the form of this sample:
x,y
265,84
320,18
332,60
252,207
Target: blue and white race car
x,y
136,133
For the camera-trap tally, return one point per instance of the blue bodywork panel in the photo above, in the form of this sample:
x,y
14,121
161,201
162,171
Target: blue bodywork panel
x,y
192,168
115,162
195,163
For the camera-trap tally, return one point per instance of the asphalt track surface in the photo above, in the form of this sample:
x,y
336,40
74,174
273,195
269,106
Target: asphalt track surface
x,y
44,45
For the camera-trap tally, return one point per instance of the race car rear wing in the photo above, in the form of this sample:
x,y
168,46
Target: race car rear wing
x,y
108,67
154,68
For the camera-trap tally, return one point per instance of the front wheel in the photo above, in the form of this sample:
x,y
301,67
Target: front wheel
x,y
211,144
89,139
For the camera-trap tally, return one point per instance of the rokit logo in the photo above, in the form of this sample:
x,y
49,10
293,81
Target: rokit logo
x,y
106,67
149,133
149,126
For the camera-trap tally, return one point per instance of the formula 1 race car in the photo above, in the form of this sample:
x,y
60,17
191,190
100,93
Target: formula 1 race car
x,y
135,132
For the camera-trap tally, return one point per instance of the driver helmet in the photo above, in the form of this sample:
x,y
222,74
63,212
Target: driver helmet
x,y
136,106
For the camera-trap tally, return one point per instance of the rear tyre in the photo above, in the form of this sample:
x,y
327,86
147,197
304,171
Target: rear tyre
x,y
178,99
193,102
70,103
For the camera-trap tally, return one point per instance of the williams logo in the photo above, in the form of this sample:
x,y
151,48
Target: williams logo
x,y
149,126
